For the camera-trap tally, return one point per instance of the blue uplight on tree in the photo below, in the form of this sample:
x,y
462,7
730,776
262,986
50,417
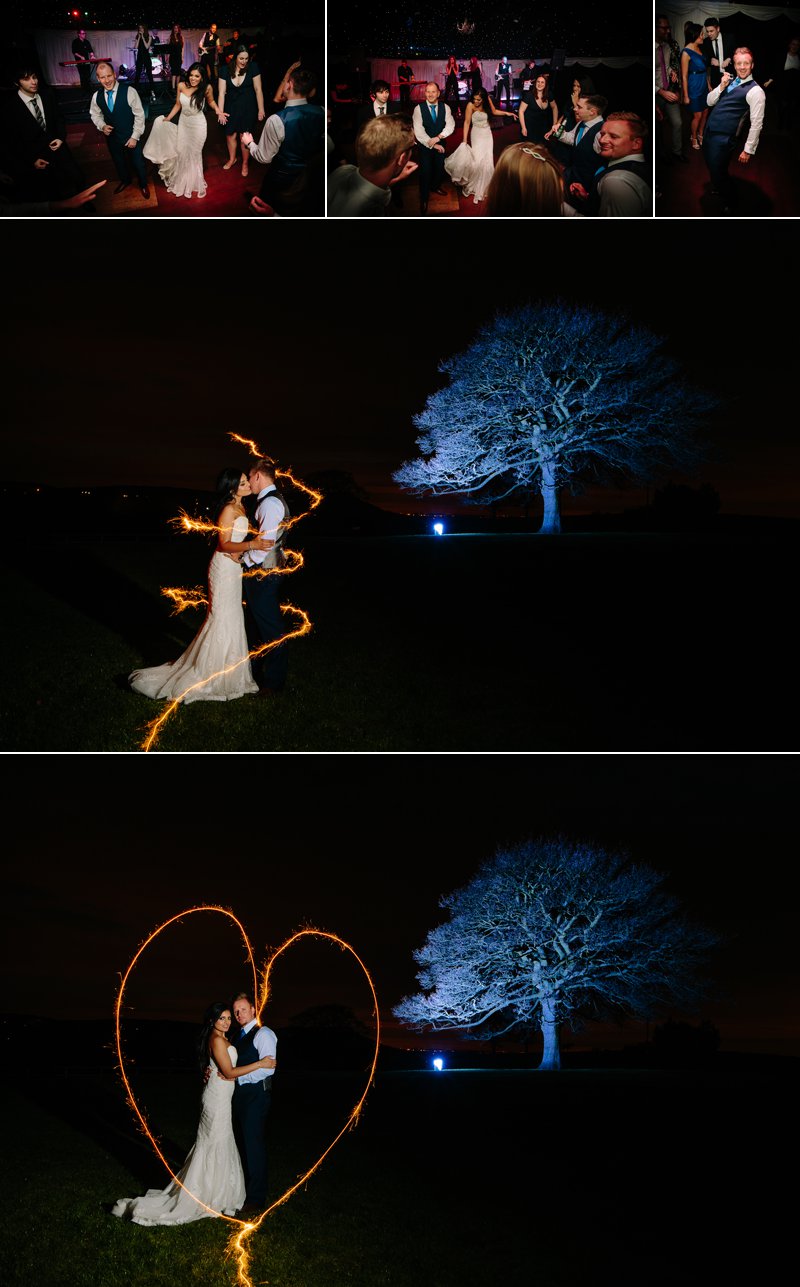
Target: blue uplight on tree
x,y
549,395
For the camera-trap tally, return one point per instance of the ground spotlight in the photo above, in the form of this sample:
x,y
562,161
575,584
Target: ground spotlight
x,y
438,1064
439,529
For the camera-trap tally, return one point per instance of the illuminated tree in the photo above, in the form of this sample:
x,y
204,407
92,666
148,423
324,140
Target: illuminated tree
x,y
552,394
549,932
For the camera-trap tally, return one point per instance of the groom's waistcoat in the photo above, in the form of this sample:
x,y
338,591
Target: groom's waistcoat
x,y
122,116
275,557
433,119
246,1050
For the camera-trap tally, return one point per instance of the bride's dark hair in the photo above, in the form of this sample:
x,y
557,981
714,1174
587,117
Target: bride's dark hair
x,y
227,486
199,95
209,1019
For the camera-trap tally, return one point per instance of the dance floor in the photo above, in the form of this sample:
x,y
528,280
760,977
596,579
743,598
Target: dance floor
x,y
228,192
768,187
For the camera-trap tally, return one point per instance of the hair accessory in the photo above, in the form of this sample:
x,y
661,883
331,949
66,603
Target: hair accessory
x,y
530,152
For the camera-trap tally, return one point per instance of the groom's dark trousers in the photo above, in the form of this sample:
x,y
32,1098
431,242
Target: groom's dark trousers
x,y
269,671
250,1108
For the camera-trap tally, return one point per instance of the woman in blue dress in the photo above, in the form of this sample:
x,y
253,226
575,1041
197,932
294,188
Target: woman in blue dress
x,y
694,77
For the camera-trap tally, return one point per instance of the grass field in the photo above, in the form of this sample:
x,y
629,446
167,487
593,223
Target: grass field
x,y
452,1180
518,643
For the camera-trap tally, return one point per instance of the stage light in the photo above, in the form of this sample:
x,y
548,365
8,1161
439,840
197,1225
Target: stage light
x,y
438,1064
439,529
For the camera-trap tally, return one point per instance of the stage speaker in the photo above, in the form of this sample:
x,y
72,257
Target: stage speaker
x,y
557,61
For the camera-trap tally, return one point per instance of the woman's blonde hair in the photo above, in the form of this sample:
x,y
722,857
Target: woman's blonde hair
x,y
526,182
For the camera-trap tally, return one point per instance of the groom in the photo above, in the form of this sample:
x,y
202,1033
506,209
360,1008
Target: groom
x,y
251,1101
263,601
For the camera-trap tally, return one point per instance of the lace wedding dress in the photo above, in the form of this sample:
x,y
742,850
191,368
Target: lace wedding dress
x,y
212,1171
471,166
178,150
219,649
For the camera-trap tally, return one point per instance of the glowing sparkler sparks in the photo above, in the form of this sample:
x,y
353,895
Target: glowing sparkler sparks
x,y
183,599
237,1244
154,728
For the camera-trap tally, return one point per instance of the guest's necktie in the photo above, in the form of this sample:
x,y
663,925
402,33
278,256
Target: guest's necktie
x,y
735,82
382,111
664,78
716,50
579,135
38,112
110,96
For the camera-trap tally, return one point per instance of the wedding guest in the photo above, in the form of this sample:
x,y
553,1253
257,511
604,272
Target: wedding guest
x,y
378,105
384,150
175,55
32,209
717,51
292,145
731,102
694,76
82,52
538,112
33,134
527,183
406,78
582,87
668,84
117,112
143,42
240,91
528,75
621,187
584,141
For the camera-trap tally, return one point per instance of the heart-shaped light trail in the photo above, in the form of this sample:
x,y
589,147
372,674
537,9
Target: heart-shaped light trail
x,y
237,1244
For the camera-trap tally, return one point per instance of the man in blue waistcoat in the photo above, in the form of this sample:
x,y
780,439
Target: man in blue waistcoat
x,y
251,1102
433,121
731,102
117,112
292,144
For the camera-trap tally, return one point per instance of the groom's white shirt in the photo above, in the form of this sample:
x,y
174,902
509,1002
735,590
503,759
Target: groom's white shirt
x,y
269,512
266,1043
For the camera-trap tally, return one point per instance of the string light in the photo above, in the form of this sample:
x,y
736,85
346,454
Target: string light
x,y
242,1229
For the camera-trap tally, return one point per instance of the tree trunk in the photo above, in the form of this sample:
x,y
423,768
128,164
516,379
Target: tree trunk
x,y
551,1056
551,522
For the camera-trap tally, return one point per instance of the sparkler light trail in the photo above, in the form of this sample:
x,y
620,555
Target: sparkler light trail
x,y
292,562
243,1230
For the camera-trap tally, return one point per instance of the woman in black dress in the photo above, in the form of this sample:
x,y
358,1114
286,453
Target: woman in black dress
x,y
241,103
538,112
175,54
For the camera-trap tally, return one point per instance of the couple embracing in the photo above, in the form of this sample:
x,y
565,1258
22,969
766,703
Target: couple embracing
x,y
216,666
226,1169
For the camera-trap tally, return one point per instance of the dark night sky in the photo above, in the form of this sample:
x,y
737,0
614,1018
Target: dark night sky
x,y
365,847
329,375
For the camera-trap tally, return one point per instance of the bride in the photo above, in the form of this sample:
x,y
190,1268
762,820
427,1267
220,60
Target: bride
x,y
471,167
213,1171
221,643
178,150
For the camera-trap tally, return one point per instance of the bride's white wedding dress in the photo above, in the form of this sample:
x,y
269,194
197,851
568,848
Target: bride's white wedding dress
x,y
212,1171
178,149
471,166
216,649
